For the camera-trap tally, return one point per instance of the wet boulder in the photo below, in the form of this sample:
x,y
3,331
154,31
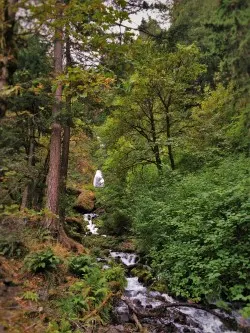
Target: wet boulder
x,y
121,313
85,202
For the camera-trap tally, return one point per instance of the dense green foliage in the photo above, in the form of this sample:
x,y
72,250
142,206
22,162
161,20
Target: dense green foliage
x,y
195,230
117,223
81,265
115,277
94,289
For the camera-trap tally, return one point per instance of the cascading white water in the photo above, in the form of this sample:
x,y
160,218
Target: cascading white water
x,y
199,321
91,226
139,294
128,259
209,322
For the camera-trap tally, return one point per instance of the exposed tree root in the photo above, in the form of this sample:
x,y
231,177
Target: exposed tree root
x,y
68,242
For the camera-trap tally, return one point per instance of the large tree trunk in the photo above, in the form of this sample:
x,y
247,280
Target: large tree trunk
x,y
53,179
166,105
7,23
170,150
63,238
66,129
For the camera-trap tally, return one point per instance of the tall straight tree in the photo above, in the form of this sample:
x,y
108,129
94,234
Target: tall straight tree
x,y
7,23
66,138
53,180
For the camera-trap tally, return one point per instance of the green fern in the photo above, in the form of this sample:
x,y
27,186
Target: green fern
x,y
30,296
41,261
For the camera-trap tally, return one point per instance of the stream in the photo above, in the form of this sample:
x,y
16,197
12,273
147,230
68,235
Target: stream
x,y
181,319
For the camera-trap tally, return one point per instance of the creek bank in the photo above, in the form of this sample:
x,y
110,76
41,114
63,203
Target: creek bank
x,y
157,311
162,313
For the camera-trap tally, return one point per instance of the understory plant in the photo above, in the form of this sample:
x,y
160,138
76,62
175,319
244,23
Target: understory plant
x,y
90,298
194,230
41,261
81,265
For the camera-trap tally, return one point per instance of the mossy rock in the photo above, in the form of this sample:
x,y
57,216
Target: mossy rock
x,y
75,228
143,274
159,286
85,202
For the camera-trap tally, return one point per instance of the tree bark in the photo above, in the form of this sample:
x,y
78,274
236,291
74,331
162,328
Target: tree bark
x,y
66,140
7,23
155,147
166,105
53,179
62,236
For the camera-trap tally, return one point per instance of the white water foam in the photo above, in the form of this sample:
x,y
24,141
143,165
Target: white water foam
x,y
91,226
128,259
140,296
137,292
209,322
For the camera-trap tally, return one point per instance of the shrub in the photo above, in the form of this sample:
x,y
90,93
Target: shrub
x,y
81,265
144,275
41,261
84,296
73,304
117,224
195,230
63,326
115,276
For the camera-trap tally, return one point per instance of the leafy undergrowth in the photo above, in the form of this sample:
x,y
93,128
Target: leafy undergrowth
x,y
46,288
195,230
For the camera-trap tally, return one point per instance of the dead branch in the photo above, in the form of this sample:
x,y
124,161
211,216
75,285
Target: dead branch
x,y
100,307
138,324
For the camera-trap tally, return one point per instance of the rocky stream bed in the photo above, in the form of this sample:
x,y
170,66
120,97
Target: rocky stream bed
x,y
156,312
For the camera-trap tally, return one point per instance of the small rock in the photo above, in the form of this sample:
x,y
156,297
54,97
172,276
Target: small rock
x,y
120,328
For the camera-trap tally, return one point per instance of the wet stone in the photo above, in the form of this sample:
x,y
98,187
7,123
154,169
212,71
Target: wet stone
x,y
121,313
175,319
180,318
137,302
